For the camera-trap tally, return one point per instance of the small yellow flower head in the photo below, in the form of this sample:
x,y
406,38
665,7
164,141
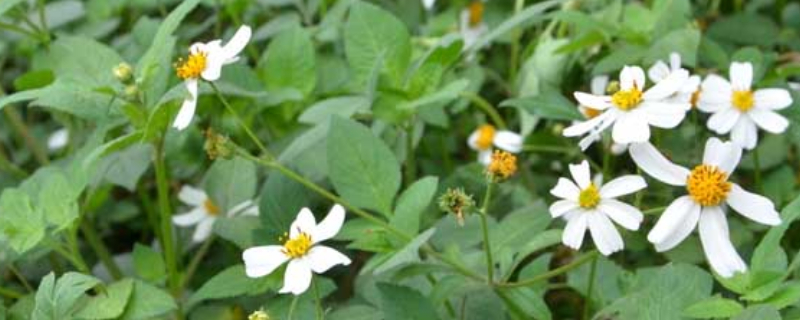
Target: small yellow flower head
x,y
627,99
589,198
259,315
457,202
217,146
298,246
743,100
124,73
192,67
708,185
503,165
475,13
486,134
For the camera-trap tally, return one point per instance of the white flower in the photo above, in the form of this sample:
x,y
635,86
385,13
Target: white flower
x,y
204,212
687,93
598,87
586,206
471,23
741,111
302,251
205,61
58,139
428,4
631,110
486,136
709,194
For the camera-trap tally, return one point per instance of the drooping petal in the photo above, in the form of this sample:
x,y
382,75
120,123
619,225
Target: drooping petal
x,y
583,127
190,218
719,250
725,155
261,261
203,229
630,128
186,113
329,226
623,214
670,220
192,196
741,75
565,189
322,258
658,71
581,175
769,120
305,222
622,186
755,207
668,86
723,121
597,102
772,99
715,94
297,278
682,229
561,207
606,238
508,141
236,44
574,231
599,84
630,76
485,156
656,165
745,133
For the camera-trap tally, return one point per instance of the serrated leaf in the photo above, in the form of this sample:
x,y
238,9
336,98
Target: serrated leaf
x,y
715,307
230,182
148,302
108,304
22,226
55,300
548,104
372,32
403,303
409,253
231,282
289,62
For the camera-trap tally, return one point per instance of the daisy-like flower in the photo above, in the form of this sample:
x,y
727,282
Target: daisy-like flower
x,y
740,110
471,23
690,90
205,61
205,212
487,136
709,194
586,206
598,87
302,251
632,110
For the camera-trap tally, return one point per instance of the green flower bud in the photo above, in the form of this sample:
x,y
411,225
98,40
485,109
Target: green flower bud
x,y
457,202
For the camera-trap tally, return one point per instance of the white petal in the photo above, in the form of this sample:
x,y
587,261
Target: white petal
x,y
606,238
668,86
674,61
261,261
630,127
682,229
725,155
622,186
485,156
677,211
658,71
656,165
244,208
472,140
581,175
186,113
623,214
304,222
583,127
203,229
58,140
236,44
741,75
715,94
561,207
664,114
630,76
329,226
428,4
772,99
297,278
769,120
573,233
508,141
192,196
599,85
322,258
565,189
588,140
723,121
721,254
745,133
598,102
190,218
755,207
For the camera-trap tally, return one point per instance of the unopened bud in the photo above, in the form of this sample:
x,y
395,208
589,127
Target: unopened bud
x,y
258,315
217,146
456,202
131,92
124,73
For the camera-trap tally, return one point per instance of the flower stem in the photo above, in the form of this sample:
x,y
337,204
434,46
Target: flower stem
x,y
11,294
167,243
486,107
291,307
487,248
100,249
552,273
39,152
198,257
246,128
515,37
20,277
590,289
317,300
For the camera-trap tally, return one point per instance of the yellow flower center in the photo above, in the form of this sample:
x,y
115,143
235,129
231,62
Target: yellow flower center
x,y
485,137
297,247
475,13
589,197
627,99
192,67
742,100
211,208
503,165
708,185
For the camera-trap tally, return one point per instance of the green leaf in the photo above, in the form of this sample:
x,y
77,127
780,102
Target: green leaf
x,y
355,312
759,312
770,243
34,80
8,4
528,16
148,302
361,167
230,182
715,307
289,62
403,303
148,264
280,202
787,295
55,300
238,230
412,203
124,168
549,105
745,29
344,107
409,253
683,41
22,226
231,282
371,32
446,94
108,304
525,303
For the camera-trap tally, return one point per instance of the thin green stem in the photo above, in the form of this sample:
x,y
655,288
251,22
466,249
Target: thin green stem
x,y
75,260
167,242
10,167
11,294
757,164
487,248
548,149
654,210
587,306
317,301
39,152
198,257
244,125
449,306
486,107
515,37
291,307
43,23
100,249
17,29
21,278
552,273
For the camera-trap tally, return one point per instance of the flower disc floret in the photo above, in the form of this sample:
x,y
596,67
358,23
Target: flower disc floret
x,y
589,197
298,246
193,66
627,99
708,185
742,100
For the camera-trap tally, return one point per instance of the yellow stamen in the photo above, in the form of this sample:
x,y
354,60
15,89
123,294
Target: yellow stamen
x,y
590,113
211,208
627,99
297,247
708,185
485,137
742,100
192,67
503,165
589,197
695,98
475,13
